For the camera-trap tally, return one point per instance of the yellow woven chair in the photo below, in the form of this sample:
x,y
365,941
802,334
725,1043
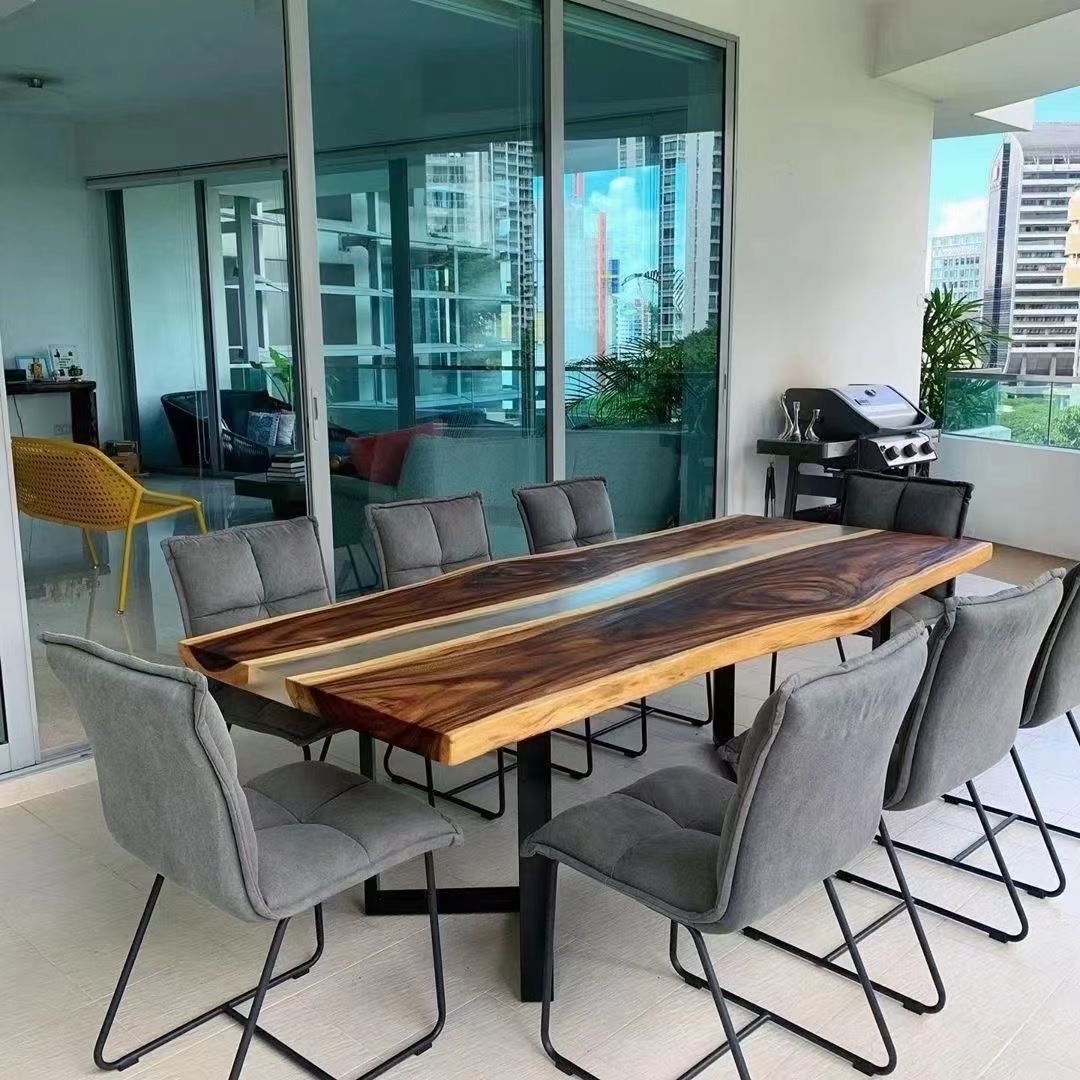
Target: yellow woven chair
x,y
73,484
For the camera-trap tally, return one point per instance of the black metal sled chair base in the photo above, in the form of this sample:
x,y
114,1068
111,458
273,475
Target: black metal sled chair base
x,y
1004,877
721,998
257,996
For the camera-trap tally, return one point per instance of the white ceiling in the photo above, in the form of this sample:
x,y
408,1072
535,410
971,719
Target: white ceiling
x,y
108,56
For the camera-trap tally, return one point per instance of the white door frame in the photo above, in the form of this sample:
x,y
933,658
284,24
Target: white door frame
x,y
304,241
20,710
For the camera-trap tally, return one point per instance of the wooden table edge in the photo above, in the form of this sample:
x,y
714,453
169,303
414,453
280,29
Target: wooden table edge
x,y
568,706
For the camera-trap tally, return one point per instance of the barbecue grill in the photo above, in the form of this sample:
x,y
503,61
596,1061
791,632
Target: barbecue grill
x,y
863,426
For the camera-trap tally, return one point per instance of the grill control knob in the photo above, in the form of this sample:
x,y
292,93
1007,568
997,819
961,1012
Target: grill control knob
x,y
910,449
892,451
926,447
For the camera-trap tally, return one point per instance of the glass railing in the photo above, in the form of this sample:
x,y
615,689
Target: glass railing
x,y
1035,410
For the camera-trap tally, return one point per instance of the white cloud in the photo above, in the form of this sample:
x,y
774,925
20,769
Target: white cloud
x,y
962,216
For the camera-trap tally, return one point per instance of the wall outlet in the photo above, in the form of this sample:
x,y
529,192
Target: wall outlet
x,y
61,429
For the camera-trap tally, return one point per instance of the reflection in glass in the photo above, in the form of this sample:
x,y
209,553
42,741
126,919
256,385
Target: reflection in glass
x,y
172,286
427,211
643,197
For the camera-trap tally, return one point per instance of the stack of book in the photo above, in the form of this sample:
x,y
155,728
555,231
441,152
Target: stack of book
x,y
288,467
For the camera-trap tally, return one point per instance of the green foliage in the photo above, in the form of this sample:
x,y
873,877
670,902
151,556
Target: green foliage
x,y
646,384
1036,420
954,339
1065,428
282,374
970,403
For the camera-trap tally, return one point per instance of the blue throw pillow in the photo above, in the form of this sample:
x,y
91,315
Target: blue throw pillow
x,y
262,428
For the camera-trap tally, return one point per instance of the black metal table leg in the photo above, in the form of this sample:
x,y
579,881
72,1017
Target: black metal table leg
x,y
483,899
723,711
526,898
534,809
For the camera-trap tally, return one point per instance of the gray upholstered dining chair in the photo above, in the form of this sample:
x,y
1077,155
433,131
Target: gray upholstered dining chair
x,y
714,856
568,514
910,504
964,720
1053,691
240,575
265,851
418,540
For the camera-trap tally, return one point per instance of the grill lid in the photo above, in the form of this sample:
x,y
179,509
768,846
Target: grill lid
x,y
859,410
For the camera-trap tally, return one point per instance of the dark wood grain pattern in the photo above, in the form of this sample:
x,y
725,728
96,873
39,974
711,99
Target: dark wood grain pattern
x,y
478,684
503,582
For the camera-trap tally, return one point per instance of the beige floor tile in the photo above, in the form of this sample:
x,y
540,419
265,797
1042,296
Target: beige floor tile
x,y
680,1031
484,1040
1018,1062
1050,1032
34,992
61,1047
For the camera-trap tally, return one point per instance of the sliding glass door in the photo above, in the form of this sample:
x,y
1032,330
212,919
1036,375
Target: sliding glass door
x,y
430,212
644,209
427,215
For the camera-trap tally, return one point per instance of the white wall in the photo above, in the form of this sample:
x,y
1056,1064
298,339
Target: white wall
x,y
55,281
831,212
1025,496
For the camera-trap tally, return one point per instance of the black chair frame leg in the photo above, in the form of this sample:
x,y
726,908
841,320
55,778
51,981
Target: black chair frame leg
x,y
571,1068
878,634
1005,877
687,718
452,795
765,1016
419,1046
502,767
732,1037
1035,818
640,714
133,1056
828,960
587,739
257,996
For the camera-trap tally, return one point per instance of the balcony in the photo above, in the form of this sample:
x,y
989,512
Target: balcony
x,y
1034,410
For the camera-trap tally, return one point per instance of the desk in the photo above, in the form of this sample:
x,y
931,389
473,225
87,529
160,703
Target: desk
x,y
84,426
507,652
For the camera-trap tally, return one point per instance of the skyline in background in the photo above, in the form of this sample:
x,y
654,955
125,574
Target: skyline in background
x,y
960,169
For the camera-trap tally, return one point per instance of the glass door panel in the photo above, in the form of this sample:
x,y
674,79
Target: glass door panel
x,y
643,203
428,235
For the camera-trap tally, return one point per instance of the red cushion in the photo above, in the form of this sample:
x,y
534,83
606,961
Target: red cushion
x,y
379,458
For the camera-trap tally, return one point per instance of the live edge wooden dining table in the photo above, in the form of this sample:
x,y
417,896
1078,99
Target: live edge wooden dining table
x,y
504,653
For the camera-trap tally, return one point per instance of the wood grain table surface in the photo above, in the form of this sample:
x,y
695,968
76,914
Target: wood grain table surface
x,y
491,655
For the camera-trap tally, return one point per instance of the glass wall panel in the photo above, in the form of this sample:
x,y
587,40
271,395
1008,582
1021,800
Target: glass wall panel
x,y
428,221
643,203
129,275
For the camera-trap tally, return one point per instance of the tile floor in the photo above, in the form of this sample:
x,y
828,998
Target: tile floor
x,y
70,899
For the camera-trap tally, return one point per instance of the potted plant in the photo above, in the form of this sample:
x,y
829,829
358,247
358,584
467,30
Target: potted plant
x,y
955,338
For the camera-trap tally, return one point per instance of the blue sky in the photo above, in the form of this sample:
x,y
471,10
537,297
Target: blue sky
x,y
961,169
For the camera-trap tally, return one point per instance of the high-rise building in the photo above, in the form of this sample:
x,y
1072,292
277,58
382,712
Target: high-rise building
x,y
1026,292
956,264
691,186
